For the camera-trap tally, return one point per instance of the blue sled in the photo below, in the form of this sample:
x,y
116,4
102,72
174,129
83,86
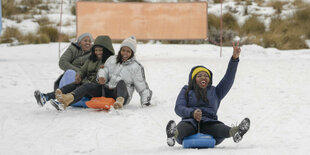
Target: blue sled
x,y
81,103
199,140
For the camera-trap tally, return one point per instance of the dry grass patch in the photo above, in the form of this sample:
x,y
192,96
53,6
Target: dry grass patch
x,y
10,34
230,22
253,26
277,5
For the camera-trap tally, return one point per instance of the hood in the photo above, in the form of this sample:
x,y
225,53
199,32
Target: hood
x,y
104,41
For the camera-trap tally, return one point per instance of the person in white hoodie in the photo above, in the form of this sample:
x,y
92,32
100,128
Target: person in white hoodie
x,y
122,74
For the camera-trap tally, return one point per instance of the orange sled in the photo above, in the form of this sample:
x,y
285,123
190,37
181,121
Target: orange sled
x,y
100,103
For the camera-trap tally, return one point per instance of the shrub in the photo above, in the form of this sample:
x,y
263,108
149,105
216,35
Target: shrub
x,y
51,32
43,21
284,34
259,2
298,3
252,39
214,36
31,3
230,22
29,38
8,8
73,10
302,20
213,21
277,5
64,37
253,26
42,39
292,40
43,7
10,34
218,1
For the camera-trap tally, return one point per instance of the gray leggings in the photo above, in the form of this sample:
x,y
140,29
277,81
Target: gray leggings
x,y
218,130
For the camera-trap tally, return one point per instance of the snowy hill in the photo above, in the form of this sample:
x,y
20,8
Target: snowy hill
x,y
271,88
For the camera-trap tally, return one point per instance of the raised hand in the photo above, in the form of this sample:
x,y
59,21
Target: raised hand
x,y
237,50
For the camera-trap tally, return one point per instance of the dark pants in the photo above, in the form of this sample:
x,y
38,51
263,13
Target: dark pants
x,y
95,90
218,130
92,90
65,89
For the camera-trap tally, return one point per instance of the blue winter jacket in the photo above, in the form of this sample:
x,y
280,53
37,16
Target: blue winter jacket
x,y
185,109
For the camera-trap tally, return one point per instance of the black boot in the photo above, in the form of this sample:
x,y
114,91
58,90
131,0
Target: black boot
x,y
243,127
170,131
41,98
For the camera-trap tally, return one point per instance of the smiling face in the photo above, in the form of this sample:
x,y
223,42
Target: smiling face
x,y
85,44
202,79
125,53
99,52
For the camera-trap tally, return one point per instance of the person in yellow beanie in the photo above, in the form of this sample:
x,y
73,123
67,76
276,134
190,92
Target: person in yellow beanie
x,y
198,102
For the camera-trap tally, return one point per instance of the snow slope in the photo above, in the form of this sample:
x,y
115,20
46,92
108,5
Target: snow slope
x,y
271,88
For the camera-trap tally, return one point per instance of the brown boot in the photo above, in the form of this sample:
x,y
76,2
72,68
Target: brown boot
x,y
67,99
119,103
58,94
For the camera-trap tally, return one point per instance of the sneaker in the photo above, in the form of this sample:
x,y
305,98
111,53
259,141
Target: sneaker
x,y
243,127
146,104
119,103
170,131
41,98
58,106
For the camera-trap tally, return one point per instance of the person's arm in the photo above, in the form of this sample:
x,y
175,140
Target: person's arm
x,y
65,61
227,81
81,73
103,73
141,86
181,108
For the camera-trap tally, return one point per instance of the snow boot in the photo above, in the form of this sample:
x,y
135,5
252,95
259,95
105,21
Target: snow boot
x,y
118,104
240,130
41,98
171,130
58,93
58,106
65,99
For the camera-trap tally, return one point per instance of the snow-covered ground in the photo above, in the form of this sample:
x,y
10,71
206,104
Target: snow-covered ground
x,y
271,88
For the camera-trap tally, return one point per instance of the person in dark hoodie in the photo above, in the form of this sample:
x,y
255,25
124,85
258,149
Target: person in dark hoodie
x,y
198,102
100,52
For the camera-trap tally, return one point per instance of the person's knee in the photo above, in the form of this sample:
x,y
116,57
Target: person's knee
x,y
70,73
121,82
67,78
